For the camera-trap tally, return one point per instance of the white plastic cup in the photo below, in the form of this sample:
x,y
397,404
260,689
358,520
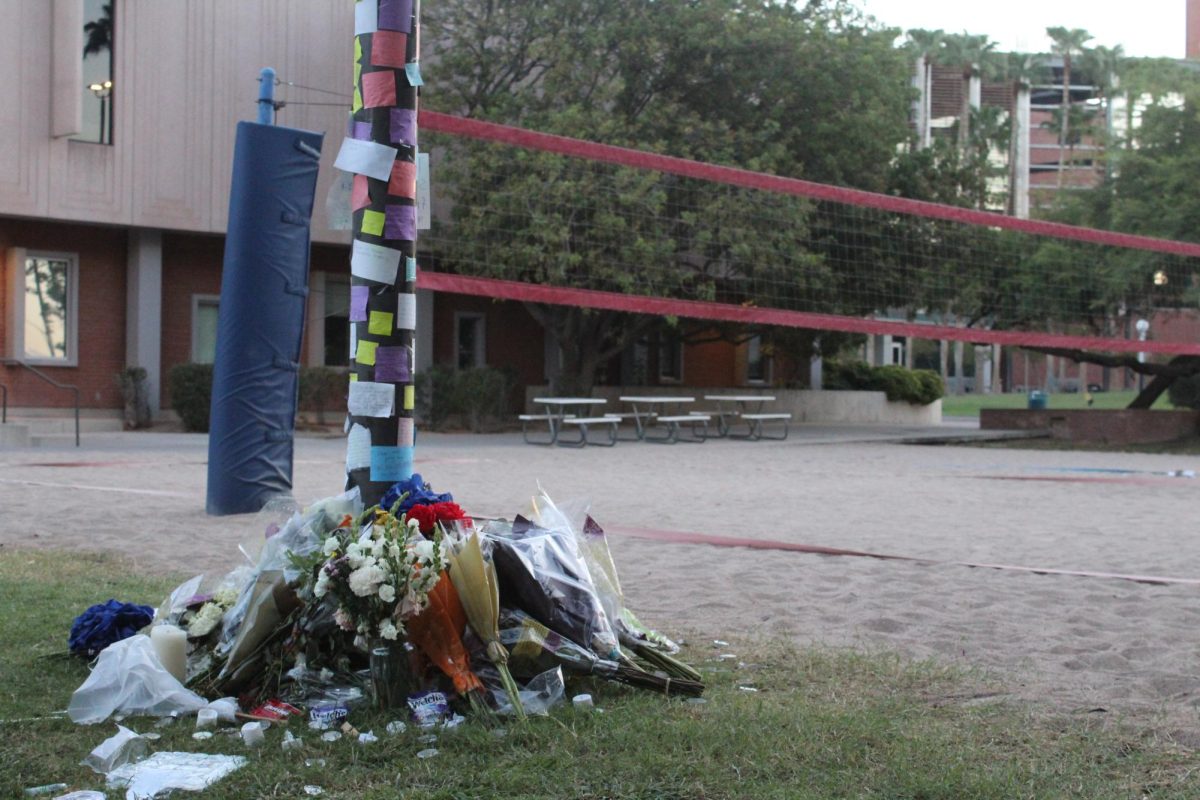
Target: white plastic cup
x,y
582,702
206,718
252,734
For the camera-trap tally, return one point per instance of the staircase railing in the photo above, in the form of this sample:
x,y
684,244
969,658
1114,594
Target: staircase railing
x,y
65,386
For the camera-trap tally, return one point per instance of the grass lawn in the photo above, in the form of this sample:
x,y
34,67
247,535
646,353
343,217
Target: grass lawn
x,y
968,405
821,724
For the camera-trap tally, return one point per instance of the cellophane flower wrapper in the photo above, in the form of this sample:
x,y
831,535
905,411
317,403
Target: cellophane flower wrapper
x,y
542,573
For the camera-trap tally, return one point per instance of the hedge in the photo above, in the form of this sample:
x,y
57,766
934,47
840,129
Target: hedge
x,y
917,386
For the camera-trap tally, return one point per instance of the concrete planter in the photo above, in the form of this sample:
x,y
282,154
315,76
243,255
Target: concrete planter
x,y
1107,426
804,404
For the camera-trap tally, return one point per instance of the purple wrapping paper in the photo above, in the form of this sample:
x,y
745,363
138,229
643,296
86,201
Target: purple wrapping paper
x,y
404,126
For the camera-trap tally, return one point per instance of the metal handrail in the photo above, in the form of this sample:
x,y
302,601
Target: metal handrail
x,y
3,404
52,382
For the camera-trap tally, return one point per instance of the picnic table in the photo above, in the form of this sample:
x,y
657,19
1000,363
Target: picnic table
x,y
749,409
557,415
669,417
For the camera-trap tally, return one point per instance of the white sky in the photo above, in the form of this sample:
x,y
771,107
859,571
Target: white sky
x,y
1143,28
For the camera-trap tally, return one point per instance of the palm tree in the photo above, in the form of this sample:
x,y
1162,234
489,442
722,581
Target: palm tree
x,y
926,45
99,33
970,52
1067,42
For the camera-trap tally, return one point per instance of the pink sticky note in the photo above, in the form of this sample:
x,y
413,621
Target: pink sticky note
x,y
388,49
404,432
404,179
379,88
359,197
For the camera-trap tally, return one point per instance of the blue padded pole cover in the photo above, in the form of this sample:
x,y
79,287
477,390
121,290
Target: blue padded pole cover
x,y
264,286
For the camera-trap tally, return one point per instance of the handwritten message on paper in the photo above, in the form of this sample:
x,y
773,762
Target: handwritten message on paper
x,y
374,262
405,432
391,463
379,89
366,158
371,399
358,303
358,448
366,16
406,312
396,15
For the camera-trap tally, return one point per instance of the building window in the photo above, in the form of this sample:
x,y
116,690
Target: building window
x,y
670,359
204,328
337,320
44,324
99,40
468,340
758,364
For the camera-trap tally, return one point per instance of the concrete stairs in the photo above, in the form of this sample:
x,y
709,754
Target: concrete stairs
x,y
53,431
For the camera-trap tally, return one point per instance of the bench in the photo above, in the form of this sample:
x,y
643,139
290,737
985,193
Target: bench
x,y
547,418
723,418
697,422
757,429
612,421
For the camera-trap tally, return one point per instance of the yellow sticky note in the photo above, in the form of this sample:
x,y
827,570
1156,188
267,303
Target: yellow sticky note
x,y
381,323
357,74
366,353
353,377
357,51
357,104
410,398
373,223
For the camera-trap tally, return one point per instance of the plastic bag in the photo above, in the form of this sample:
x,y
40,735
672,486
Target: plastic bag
x,y
129,678
164,772
542,693
121,748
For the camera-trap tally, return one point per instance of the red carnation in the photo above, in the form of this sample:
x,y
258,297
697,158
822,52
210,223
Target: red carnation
x,y
425,516
447,512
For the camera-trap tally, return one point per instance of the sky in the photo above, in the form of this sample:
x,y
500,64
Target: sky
x,y
1156,28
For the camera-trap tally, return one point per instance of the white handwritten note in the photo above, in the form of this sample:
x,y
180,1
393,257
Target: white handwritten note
x,y
406,312
370,399
366,16
366,158
358,448
374,262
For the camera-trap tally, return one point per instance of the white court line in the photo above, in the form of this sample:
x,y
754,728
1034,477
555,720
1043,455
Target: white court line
x,y
154,492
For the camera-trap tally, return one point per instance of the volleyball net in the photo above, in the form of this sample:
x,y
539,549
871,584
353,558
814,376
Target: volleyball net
x,y
540,218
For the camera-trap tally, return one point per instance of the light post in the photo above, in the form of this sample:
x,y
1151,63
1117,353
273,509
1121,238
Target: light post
x,y
102,92
1143,328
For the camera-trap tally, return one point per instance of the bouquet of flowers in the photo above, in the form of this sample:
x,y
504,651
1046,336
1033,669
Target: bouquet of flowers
x,y
377,572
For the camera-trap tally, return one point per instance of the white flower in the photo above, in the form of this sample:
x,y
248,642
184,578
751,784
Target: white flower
x,y
343,619
365,580
424,550
331,546
387,630
394,550
322,584
225,597
414,524
387,593
377,547
205,620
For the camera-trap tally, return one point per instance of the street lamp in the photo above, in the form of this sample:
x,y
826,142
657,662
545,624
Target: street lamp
x,y
1143,328
102,92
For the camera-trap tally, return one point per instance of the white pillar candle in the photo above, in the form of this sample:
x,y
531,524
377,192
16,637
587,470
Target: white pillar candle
x,y
170,645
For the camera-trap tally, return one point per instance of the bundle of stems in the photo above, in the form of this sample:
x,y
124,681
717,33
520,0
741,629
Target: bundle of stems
x,y
474,578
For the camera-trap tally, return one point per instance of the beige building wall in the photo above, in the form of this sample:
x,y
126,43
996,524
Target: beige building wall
x,y
185,73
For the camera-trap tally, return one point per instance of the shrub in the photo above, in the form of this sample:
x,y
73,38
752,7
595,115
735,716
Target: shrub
x,y
919,387
321,388
190,387
1185,392
479,397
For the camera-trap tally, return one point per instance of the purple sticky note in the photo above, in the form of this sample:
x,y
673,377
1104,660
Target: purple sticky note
x,y
400,223
391,365
359,130
404,126
395,15
358,303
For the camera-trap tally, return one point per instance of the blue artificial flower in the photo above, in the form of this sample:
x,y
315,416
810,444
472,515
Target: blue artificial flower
x,y
105,623
419,494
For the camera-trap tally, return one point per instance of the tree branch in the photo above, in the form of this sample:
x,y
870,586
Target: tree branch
x,y
1178,367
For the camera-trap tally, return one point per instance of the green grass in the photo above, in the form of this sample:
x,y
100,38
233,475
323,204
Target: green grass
x,y
823,724
968,405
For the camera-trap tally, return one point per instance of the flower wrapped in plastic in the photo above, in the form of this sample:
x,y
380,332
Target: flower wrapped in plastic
x,y
377,574
105,623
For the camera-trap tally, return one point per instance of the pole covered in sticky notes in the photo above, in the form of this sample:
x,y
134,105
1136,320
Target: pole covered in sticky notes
x,y
380,150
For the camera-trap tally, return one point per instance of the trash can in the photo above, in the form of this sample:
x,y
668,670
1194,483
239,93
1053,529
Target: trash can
x,y
1037,400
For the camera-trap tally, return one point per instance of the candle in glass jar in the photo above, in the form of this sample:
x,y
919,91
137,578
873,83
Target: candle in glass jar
x,y
170,645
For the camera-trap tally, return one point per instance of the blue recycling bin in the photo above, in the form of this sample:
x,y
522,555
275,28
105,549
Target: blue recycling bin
x,y
1037,400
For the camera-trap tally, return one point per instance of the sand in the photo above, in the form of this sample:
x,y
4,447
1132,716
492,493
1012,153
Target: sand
x,y
1059,643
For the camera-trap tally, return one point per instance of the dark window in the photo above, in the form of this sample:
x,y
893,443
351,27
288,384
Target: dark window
x,y
99,41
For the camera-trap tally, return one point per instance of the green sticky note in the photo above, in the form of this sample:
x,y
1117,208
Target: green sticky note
x,y
373,223
381,324
357,51
410,398
353,377
366,353
357,104
357,74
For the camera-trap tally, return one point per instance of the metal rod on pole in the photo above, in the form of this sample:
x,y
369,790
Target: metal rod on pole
x,y
266,96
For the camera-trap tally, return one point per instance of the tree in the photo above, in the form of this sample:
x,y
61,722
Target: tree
x,y
1067,42
810,91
